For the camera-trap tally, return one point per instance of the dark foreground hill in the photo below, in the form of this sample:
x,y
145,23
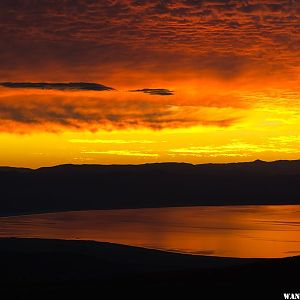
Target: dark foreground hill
x,y
54,268
83,187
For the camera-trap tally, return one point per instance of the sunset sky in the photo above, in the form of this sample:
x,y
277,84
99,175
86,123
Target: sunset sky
x,y
132,81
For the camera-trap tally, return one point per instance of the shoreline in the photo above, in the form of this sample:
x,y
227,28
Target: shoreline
x,y
34,212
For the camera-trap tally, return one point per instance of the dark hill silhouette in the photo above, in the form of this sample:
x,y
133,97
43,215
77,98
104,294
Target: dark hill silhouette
x,y
82,187
55,268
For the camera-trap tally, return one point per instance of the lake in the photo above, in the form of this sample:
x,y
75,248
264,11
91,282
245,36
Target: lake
x,y
231,231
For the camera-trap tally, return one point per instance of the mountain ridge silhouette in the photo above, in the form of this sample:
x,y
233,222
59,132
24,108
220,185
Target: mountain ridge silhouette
x,y
87,187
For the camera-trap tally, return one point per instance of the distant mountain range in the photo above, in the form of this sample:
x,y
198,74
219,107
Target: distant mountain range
x,y
85,187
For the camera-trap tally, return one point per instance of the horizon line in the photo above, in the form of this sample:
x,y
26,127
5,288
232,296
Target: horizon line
x,y
154,163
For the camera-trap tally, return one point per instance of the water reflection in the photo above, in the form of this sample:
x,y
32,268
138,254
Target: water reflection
x,y
239,231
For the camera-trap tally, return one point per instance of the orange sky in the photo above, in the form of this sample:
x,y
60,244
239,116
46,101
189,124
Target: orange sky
x,y
230,70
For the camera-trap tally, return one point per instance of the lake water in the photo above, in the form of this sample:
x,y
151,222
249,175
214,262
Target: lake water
x,y
235,231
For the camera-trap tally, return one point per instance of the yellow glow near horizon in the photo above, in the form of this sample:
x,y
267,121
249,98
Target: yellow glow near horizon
x,y
196,145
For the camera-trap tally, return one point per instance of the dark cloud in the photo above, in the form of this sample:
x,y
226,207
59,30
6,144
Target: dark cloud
x,y
84,86
161,92
250,8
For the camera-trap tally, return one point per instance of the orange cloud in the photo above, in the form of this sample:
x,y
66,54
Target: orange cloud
x,y
29,110
98,40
